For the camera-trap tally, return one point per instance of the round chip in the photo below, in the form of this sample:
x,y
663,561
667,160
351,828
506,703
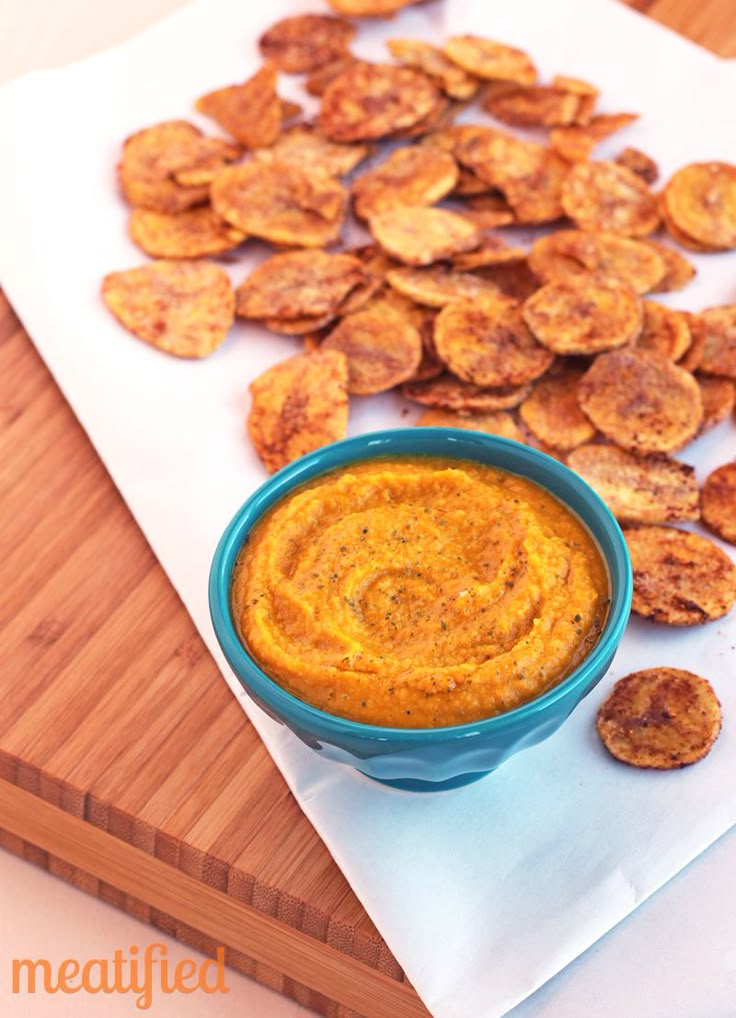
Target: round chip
x,y
422,56
298,284
499,422
281,203
719,502
714,333
305,148
382,348
298,405
551,411
533,106
639,163
306,41
183,308
701,201
719,397
487,211
486,58
438,285
417,235
638,489
641,401
251,112
660,718
374,100
449,393
486,342
152,159
678,271
418,175
605,196
680,579
682,238
193,233
584,314
665,331
570,252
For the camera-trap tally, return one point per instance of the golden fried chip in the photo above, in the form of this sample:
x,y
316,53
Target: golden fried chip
x,y
584,314
439,118
605,196
487,211
714,332
682,238
551,411
680,579
305,148
486,342
250,112
533,106
639,163
306,41
577,143
374,100
430,365
660,718
499,422
719,399
665,331
449,393
298,284
701,201
514,279
569,253
678,271
638,489
486,58
575,85
369,8
193,233
641,401
418,175
469,184
491,251
183,308
281,203
153,160
438,285
719,502
529,175
419,236
382,348
298,405
422,56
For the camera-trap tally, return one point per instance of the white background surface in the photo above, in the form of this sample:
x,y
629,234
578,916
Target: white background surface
x,y
675,957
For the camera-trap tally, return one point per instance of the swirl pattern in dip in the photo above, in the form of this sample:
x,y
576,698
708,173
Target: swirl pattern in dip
x,y
419,592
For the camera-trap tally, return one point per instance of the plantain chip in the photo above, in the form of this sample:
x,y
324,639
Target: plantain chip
x,y
422,56
450,393
639,163
498,422
417,175
606,196
419,236
439,285
383,348
551,411
719,502
305,42
305,148
193,233
298,284
678,271
664,331
700,200
571,252
250,112
486,58
576,143
714,336
533,106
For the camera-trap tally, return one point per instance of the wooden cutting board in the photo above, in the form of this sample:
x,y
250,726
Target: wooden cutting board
x,y
126,765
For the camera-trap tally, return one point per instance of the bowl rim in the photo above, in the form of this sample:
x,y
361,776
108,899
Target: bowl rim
x,y
374,445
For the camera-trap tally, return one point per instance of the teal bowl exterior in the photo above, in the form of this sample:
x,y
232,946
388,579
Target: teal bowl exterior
x,y
426,759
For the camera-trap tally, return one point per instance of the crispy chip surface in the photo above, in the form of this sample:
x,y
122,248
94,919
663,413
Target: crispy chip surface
x,y
193,233
450,393
306,41
551,411
298,284
490,251
183,308
486,58
584,314
576,143
453,80
305,148
568,253
719,398
439,285
487,211
319,80
639,163
281,203
298,405
719,502
680,579
606,196
534,106
660,718
498,422
416,235
701,201
678,271
665,331
638,489
250,112
369,8
418,175
486,342
375,100
383,348
154,157
714,331
641,401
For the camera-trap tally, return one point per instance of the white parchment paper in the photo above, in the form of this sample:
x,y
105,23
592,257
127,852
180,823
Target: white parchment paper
x,y
485,892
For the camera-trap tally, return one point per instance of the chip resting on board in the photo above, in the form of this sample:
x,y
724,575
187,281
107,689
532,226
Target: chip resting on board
x,y
533,106
700,200
305,148
714,340
382,348
417,175
193,233
305,42
719,398
250,112
606,196
567,253
486,58
417,235
664,331
719,502
450,393
551,412
438,285
298,284
639,163
422,56
370,101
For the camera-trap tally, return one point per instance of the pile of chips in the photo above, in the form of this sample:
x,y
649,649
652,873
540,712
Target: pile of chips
x,y
560,346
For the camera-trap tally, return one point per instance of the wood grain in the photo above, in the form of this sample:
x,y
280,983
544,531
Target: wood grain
x,y
126,766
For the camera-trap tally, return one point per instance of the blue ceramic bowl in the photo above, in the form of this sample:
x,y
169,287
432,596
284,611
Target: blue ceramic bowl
x,y
426,759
